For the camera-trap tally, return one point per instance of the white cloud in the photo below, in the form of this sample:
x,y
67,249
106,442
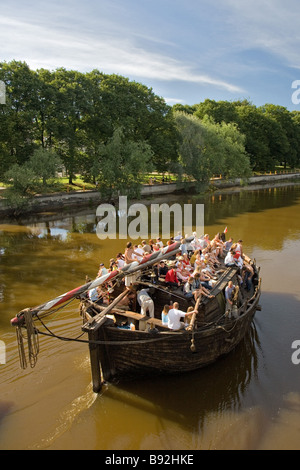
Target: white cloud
x,y
41,45
271,25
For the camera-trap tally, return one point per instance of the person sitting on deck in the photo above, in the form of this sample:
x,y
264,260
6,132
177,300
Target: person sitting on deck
x,y
120,260
159,242
175,316
186,263
189,247
102,270
146,303
190,289
228,245
183,246
171,278
162,270
181,272
229,259
93,294
146,247
204,280
164,315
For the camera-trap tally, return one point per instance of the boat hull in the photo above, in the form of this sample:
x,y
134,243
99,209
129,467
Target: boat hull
x,y
137,353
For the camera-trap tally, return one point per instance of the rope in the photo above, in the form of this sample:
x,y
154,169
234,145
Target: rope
x,y
32,341
111,343
22,354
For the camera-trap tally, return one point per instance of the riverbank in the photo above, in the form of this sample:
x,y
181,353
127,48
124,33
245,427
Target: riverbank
x,y
81,199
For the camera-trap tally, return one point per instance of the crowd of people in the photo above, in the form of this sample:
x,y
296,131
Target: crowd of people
x,y
195,269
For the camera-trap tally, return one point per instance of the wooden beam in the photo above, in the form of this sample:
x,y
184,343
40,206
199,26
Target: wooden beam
x,y
98,318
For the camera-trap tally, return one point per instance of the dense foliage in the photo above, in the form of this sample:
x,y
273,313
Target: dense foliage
x,y
112,131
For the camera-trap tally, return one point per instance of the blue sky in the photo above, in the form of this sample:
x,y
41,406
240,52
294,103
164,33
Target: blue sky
x,y
186,51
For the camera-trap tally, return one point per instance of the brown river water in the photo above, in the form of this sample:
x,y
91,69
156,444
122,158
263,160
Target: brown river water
x,y
248,400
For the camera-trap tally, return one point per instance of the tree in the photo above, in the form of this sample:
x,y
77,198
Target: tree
x,y
122,165
255,126
71,107
207,148
44,164
287,127
219,111
17,135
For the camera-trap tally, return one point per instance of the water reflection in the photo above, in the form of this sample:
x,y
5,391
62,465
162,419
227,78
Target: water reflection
x,y
188,398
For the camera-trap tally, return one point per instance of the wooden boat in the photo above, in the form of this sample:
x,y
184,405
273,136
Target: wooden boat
x,y
123,342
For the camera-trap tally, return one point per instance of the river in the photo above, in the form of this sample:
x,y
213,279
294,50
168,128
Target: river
x,y
248,400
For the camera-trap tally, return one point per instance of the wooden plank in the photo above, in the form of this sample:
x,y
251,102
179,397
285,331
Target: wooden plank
x,y
128,314
157,322
98,318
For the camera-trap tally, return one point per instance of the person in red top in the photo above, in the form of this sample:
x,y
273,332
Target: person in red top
x,y
171,278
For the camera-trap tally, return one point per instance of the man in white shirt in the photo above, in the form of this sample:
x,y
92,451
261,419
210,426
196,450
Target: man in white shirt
x,y
146,303
175,315
229,260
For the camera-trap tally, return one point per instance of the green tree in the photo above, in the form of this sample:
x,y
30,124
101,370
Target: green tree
x,y
219,111
71,107
207,148
286,124
17,135
22,182
44,164
122,165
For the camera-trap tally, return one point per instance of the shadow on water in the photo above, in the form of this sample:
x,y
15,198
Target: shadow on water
x,y
242,380
188,398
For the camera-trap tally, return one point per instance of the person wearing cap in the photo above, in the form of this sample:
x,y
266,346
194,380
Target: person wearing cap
x,y
102,270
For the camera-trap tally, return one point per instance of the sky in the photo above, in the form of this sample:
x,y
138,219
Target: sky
x,y
186,51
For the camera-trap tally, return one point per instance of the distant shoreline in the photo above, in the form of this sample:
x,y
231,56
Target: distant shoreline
x,y
82,199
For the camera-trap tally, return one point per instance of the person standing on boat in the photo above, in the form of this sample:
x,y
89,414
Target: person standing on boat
x,y
228,296
146,303
129,257
174,317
